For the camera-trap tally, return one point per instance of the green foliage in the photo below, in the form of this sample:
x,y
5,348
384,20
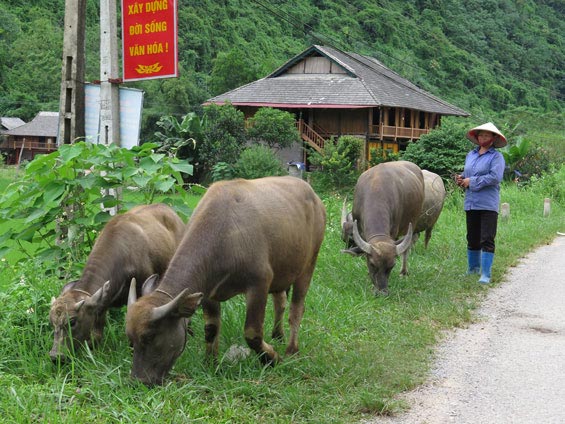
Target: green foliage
x,y
513,59
232,69
339,162
380,156
536,162
514,154
442,151
56,204
550,184
274,127
179,139
223,136
256,162
223,171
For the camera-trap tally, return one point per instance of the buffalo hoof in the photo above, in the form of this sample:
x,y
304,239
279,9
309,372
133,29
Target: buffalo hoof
x,y
58,359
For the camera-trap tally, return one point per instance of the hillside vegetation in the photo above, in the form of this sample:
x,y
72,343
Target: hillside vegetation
x,y
494,58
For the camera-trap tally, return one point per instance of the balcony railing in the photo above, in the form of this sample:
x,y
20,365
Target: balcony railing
x,y
29,145
398,132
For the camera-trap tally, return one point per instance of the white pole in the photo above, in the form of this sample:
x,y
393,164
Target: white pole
x,y
109,74
109,82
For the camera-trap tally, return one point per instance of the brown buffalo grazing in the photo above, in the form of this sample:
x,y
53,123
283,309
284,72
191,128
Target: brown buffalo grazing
x,y
434,197
137,244
388,200
250,237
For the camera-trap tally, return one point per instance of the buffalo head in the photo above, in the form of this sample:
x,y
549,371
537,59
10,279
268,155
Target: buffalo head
x,y
77,317
381,256
157,331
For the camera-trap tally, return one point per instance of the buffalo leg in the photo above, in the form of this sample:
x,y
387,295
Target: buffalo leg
x,y
212,323
296,313
279,303
256,303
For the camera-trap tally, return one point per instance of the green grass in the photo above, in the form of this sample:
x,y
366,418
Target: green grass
x,y
358,352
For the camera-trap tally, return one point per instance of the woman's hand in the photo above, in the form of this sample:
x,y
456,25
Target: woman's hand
x,y
462,182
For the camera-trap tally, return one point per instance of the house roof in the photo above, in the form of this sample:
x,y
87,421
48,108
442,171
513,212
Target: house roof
x,y
362,82
45,124
9,123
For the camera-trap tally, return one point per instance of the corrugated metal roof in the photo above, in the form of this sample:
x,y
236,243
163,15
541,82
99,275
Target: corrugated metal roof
x,y
366,83
45,124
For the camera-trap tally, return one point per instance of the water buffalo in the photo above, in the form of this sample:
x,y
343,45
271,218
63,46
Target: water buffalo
x,y
250,237
137,244
388,200
434,196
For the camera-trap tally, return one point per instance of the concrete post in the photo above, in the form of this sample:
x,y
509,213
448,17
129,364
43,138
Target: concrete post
x,y
546,207
71,101
505,211
109,74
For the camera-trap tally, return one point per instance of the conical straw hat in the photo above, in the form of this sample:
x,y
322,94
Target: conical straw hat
x,y
499,141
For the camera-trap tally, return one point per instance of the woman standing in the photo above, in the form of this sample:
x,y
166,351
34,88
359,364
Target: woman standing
x,y
483,172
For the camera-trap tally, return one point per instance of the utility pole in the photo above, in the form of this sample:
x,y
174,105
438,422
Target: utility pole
x,y
109,75
71,101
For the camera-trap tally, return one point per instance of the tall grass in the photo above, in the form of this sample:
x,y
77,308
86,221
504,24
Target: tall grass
x,y
357,353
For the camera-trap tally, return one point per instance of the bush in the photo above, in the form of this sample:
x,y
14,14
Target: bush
x,y
222,171
550,184
56,203
338,161
442,151
256,162
380,156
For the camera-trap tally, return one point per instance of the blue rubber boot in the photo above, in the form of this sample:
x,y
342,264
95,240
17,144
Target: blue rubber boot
x,y
486,265
474,261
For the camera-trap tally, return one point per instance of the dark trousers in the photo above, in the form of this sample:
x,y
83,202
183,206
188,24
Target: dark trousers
x,y
481,230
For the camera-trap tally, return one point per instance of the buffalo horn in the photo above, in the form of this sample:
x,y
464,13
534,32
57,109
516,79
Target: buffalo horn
x,y
362,244
98,296
183,305
132,297
78,305
406,242
165,310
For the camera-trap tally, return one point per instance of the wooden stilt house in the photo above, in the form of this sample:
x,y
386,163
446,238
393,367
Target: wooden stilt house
x,y
333,93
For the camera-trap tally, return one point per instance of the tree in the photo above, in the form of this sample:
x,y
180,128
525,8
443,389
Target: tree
x,y
442,151
275,127
223,137
231,70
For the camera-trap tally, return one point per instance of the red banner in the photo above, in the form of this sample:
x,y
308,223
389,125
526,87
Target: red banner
x,y
149,39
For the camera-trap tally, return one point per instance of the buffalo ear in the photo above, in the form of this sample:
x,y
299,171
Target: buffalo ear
x,y
69,286
150,284
188,304
353,251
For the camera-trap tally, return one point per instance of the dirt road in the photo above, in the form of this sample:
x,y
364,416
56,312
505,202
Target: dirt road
x,y
509,367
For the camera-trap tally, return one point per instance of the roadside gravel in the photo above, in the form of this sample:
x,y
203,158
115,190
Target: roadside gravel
x,y
509,366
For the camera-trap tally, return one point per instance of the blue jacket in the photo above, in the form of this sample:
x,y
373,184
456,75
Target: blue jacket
x,y
485,172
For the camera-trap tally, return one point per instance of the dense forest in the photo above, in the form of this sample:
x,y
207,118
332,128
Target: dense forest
x,y
503,58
